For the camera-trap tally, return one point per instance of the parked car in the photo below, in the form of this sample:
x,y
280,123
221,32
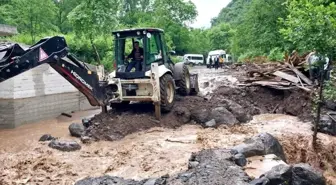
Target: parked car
x,y
193,59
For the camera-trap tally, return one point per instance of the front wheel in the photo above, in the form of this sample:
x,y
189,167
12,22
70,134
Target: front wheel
x,y
167,92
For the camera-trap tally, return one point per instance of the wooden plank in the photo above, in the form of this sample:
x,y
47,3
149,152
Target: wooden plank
x,y
286,76
301,75
265,83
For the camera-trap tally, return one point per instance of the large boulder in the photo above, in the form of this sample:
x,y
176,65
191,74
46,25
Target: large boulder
x,y
237,110
223,116
65,146
298,174
261,144
303,174
209,167
110,180
183,114
76,129
200,115
280,174
46,137
327,125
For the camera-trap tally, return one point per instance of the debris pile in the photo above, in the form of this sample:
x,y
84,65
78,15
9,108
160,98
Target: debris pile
x,y
289,74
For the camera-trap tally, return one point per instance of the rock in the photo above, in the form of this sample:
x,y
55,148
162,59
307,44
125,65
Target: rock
x,y
327,125
86,139
303,174
211,123
330,104
215,166
260,181
261,144
223,116
76,129
280,174
240,159
66,146
206,84
183,114
192,164
86,122
200,115
237,110
46,137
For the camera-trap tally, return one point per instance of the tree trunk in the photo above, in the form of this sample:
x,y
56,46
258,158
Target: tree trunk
x,y
95,50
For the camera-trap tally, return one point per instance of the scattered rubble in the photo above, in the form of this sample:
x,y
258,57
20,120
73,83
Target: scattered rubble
x,y
65,146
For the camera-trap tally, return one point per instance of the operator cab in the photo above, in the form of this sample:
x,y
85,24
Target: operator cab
x,y
153,49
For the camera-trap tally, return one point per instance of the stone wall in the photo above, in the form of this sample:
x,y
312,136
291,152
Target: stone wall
x,y
37,94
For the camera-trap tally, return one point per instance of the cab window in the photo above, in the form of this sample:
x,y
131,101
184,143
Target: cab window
x,y
154,49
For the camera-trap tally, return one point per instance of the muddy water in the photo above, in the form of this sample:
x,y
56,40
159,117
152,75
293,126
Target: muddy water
x,y
151,153
22,138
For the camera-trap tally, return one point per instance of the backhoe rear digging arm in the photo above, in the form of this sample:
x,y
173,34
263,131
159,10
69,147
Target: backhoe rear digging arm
x,y
53,51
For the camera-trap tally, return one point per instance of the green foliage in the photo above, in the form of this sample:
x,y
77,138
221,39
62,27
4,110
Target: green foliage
x,y
250,55
311,25
220,36
259,27
176,59
30,16
276,54
232,13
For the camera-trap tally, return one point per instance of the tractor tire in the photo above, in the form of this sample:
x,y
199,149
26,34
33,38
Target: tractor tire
x,y
184,83
167,92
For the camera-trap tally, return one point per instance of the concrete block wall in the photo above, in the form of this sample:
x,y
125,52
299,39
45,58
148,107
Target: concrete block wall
x,y
37,94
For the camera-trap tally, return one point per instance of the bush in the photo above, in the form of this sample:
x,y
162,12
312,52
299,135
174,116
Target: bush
x,y
276,54
249,55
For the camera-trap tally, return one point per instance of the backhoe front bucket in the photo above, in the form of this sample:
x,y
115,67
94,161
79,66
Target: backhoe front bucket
x,y
194,87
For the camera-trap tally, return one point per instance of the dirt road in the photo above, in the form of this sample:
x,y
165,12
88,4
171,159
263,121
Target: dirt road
x,y
149,153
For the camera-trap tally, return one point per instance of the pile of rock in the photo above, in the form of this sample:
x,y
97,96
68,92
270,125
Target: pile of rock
x,y
227,113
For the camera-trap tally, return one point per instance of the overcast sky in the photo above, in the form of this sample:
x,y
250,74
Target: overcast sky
x,y
207,9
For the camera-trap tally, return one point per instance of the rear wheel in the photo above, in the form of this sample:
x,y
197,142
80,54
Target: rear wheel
x,y
184,83
167,92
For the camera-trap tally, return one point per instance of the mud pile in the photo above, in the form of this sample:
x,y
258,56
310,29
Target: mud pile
x,y
247,101
259,100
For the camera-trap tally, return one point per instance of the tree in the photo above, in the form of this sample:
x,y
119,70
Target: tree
x,y
311,25
30,16
220,36
95,17
64,8
259,30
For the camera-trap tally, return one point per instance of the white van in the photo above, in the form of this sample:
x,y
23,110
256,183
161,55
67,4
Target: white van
x,y
193,59
218,53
